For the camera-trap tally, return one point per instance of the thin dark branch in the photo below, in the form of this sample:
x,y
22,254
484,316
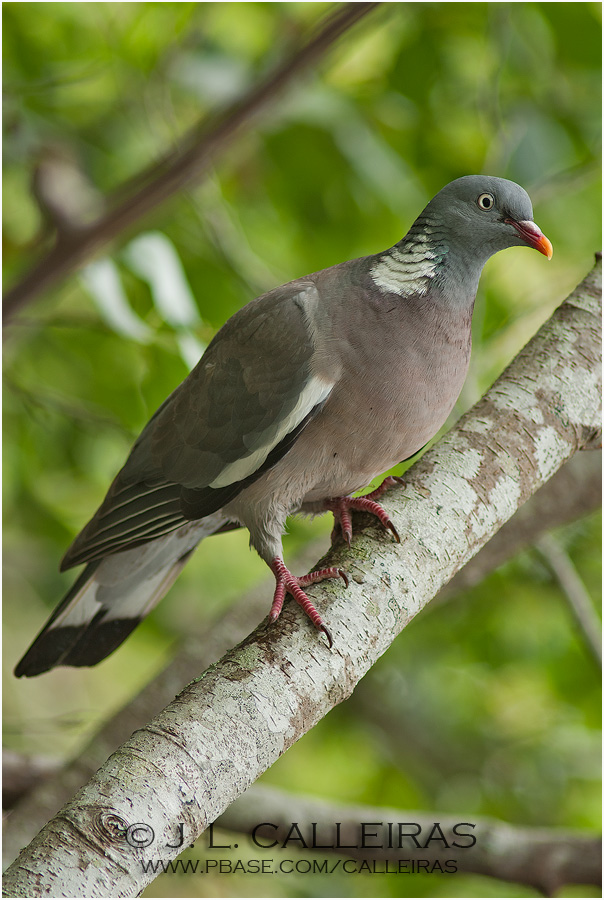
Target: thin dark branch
x,y
181,165
579,601
20,774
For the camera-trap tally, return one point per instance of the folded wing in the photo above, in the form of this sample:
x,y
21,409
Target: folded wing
x,y
238,412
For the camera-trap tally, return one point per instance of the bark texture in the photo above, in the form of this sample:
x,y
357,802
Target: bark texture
x,y
228,726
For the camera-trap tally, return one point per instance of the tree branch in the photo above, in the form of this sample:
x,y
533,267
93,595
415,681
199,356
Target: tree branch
x,y
574,491
575,592
227,727
544,858
180,166
20,774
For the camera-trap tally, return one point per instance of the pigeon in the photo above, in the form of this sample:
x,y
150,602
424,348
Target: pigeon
x,y
302,398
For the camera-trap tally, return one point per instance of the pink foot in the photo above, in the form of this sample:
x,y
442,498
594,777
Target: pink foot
x,y
341,506
288,583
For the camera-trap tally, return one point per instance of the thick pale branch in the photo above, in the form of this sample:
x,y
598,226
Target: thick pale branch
x,y
573,492
545,858
203,750
179,167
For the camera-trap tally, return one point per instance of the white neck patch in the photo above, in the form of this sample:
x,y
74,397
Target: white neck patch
x,y
405,271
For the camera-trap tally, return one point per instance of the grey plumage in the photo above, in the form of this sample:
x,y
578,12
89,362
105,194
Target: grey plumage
x,y
305,395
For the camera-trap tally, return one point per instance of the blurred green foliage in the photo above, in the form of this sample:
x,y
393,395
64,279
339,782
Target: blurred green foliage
x,y
487,705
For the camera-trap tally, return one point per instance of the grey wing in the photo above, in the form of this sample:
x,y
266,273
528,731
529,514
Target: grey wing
x,y
234,416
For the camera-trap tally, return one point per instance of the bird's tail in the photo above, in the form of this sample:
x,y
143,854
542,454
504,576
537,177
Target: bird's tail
x,y
110,598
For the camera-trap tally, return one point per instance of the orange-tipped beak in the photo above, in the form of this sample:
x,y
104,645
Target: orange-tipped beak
x,y
533,236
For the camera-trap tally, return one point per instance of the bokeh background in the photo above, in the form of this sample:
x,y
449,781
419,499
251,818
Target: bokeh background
x,y
486,705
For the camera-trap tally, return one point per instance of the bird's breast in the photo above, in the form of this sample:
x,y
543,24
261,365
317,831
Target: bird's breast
x,y
392,397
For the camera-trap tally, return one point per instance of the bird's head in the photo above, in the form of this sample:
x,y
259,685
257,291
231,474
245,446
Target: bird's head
x,y
483,214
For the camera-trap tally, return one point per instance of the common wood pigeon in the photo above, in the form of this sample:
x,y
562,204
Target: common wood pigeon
x,y
302,398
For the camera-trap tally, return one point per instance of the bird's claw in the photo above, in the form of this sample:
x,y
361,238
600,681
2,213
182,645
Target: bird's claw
x,y
341,506
290,584
327,634
344,577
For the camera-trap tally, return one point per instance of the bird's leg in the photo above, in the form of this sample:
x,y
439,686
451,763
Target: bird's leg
x,y
288,583
341,506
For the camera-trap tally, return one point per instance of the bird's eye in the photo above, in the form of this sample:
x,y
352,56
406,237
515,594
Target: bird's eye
x,y
486,201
